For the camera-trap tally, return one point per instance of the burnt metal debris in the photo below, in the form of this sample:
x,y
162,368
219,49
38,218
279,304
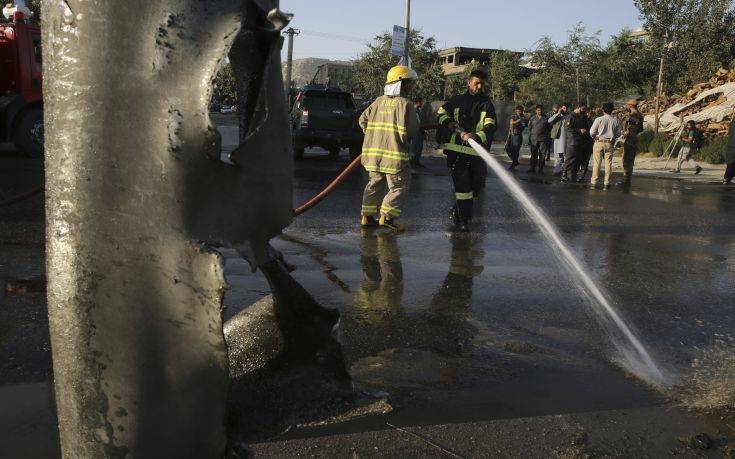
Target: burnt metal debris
x,y
136,196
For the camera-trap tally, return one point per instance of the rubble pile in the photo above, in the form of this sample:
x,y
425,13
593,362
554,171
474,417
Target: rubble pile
x,y
711,104
720,78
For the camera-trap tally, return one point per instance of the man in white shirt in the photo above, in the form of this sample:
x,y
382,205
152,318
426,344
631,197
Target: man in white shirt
x,y
605,130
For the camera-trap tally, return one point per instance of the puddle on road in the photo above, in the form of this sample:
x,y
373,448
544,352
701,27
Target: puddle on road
x,y
487,327
439,323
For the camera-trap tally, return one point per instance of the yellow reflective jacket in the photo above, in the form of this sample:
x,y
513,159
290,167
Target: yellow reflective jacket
x,y
389,123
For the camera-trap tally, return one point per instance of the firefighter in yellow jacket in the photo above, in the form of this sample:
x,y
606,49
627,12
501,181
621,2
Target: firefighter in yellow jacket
x,y
390,125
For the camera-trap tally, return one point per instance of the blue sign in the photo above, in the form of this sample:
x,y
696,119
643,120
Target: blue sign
x,y
398,46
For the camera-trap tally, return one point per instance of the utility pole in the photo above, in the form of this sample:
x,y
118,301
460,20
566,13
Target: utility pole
x,y
659,91
408,30
660,85
289,62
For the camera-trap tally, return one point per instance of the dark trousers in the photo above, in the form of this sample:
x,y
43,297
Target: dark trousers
x,y
539,150
572,154
468,175
515,142
417,147
585,151
629,152
730,172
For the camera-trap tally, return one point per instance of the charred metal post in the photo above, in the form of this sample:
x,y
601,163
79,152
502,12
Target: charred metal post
x,y
134,185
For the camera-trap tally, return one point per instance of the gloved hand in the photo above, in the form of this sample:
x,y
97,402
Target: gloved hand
x,y
469,135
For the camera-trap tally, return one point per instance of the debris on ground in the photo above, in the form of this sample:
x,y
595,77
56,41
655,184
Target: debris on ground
x,y
699,441
580,440
711,382
711,104
572,452
363,407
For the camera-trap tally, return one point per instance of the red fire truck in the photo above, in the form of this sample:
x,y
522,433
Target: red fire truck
x,y
21,96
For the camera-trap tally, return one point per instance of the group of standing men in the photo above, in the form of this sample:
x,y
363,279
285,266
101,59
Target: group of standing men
x,y
575,138
392,132
391,127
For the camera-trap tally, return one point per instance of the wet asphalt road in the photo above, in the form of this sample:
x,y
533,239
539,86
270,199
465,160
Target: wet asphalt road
x,y
486,325
469,327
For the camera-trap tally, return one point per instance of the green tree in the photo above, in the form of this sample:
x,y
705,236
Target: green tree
x,y
371,67
562,66
708,44
696,37
621,68
547,87
224,86
665,18
505,75
625,67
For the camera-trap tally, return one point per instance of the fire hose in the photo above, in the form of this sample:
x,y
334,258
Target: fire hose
x,y
332,185
339,179
298,211
303,208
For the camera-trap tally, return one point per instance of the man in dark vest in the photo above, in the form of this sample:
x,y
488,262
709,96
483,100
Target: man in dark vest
x,y
631,128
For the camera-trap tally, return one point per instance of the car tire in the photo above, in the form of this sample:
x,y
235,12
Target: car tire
x,y
355,151
298,154
29,133
334,152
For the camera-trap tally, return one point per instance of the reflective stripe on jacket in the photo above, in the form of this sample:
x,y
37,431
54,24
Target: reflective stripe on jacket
x,y
389,123
474,114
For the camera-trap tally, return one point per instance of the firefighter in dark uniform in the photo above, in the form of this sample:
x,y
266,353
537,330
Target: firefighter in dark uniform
x,y
474,113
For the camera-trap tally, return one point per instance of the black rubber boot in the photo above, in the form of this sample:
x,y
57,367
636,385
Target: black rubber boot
x,y
465,210
455,215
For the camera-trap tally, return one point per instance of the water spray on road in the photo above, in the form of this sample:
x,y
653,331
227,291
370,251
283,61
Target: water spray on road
x,y
635,356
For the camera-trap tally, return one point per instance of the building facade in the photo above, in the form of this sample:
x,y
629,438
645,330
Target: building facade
x,y
335,74
455,60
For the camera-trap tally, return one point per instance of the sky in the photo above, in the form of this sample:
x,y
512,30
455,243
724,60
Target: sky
x,y
338,29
